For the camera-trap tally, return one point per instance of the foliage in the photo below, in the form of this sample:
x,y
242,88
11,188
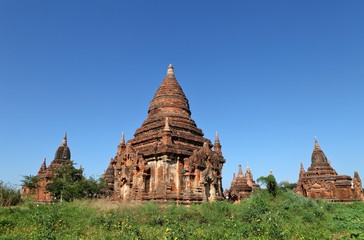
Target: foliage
x,y
9,195
261,216
70,184
285,185
30,181
271,184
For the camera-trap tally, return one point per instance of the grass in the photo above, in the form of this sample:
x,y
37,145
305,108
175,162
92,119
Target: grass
x,y
287,216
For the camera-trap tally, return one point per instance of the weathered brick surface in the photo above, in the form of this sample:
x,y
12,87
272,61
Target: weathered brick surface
x,y
322,181
241,186
168,159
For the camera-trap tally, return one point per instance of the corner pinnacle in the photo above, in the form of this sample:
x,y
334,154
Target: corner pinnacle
x,y
166,126
217,140
122,141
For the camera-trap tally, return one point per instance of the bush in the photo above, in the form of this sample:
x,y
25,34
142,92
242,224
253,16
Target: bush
x,y
9,195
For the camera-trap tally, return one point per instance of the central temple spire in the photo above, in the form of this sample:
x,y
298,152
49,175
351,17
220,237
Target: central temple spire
x,y
317,146
64,141
169,99
170,102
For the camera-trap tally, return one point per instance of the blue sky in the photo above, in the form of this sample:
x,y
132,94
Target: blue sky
x,y
267,75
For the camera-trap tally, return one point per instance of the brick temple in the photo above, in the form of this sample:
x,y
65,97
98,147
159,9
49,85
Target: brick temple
x,y
322,181
46,174
242,185
168,159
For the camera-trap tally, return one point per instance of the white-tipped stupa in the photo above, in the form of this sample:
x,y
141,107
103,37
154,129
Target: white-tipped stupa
x,y
170,69
64,141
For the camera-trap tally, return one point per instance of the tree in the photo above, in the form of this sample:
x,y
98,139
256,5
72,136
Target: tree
x,y
271,184
285,185
69,184
30,182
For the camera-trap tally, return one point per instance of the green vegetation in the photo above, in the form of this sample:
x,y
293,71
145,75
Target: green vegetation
x,y
70,184
30,182
9,195
270,183
261,216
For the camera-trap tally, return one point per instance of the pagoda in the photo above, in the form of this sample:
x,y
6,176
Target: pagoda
x,y
322,181
46,174
242,186
168,159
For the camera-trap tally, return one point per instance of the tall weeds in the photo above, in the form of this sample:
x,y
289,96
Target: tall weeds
x,y
9,195
261,216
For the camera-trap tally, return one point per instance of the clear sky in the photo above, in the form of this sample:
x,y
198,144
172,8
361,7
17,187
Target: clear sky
x,y
267,75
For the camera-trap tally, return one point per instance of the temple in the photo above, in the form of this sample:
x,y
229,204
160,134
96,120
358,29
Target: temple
x,y
322,181
168,159
242,186
46,174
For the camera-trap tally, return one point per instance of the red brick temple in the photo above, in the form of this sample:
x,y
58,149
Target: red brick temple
x,y
168,159
46,174
242,186
322,181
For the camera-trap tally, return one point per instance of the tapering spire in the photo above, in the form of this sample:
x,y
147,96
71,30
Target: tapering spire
x,y
271,172
169,99
317,146
302,170
234,180
64,141
166,126
240,173
170,70
122,141
44,165
247,166
217,140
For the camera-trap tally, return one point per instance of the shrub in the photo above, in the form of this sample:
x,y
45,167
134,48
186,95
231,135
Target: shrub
x,y
9,195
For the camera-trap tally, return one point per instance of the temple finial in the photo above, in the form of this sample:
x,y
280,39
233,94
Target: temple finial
x,y
271,172
240,173
170,69
166,126
247,166
317,146
122,141
217,140
301,165
64,141
44,165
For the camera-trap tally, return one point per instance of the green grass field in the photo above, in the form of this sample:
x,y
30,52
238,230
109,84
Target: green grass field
x,y
287,216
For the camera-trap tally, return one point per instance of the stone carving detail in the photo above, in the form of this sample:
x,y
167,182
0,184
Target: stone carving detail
x,y
168,159
322,181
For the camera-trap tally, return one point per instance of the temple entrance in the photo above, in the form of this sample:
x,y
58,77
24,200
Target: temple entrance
x,y
147,182
210,191
207,191
304,192
124,191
